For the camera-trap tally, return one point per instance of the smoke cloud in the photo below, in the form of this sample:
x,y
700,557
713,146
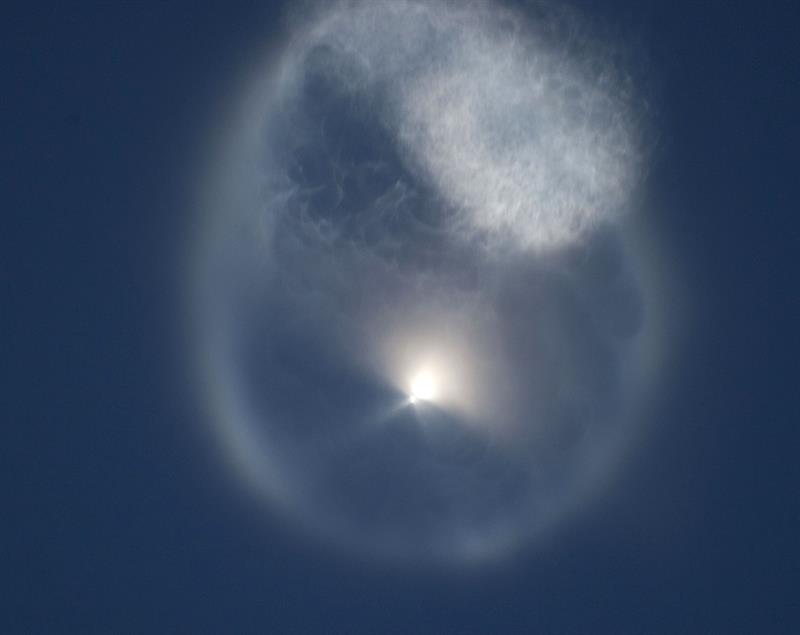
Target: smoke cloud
x,y
435,190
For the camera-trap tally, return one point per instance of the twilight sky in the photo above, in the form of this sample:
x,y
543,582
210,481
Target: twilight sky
x,y
242,237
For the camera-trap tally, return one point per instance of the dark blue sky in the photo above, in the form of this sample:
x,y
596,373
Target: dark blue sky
x,y
114,522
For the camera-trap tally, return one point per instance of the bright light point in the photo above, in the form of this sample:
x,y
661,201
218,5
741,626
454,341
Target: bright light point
x,y
423,388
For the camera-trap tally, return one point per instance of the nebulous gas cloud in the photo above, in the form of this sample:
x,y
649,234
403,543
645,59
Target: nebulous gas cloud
x,y
418,319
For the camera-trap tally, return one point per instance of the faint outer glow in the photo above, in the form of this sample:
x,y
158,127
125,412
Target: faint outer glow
x,y
524,184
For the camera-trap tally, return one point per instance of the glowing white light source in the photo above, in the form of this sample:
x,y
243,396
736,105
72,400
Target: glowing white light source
x,y
423,387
